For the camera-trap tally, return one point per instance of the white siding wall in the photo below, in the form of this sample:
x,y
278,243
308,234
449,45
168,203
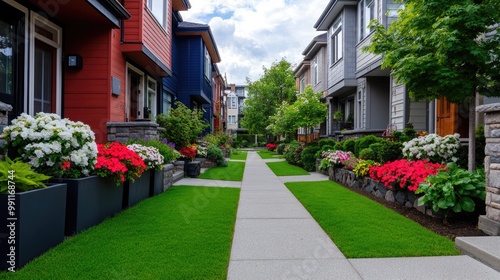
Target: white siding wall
x,y
397,104
418,115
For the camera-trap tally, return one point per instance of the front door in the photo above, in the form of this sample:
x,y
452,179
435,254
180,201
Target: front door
x,y
446,117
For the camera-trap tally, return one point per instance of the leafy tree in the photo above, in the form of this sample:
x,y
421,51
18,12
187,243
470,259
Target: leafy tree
x,y
283,122
182,125
276,85
444,48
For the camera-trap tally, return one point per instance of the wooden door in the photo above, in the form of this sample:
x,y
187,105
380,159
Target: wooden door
x,y
446,117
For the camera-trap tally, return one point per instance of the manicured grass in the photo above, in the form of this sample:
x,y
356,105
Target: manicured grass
x,y
362,228
265,154
238,155
283,168
184,233
233,172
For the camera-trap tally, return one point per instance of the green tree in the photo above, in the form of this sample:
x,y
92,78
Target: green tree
x,y
283,122
276,85
182,126
444,48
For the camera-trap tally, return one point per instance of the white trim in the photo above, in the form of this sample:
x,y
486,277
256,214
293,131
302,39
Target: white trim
x,y
152,107
57,44
140,99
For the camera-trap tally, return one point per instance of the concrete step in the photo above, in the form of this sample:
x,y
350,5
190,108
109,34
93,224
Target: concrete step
x,y
485,249
177,176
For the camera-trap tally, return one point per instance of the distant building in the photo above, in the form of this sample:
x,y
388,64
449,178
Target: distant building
x,y
236,95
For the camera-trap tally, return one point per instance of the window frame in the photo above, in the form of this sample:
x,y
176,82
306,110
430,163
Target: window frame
x,y
207,64
163,22
315,72
336,42
367,13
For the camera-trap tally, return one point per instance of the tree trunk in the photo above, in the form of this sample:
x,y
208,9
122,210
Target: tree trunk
x,y
472,134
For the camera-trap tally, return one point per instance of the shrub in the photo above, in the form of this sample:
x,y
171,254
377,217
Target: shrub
x,y
308,158
386,151
324,149
433,147
215,154
118,163
365,142
53,146
165,148
217,139
271,147
182,125
280,149
150,155
244,143
325,142
349,145
335,159
453,189
404,174
292,152
367,154
17,176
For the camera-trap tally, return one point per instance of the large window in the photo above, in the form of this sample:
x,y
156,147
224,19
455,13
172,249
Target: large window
x,y
302,83
315,70
336,42
150,102
6,57
207,64
167,102
366,14
232,102
231,119
159,9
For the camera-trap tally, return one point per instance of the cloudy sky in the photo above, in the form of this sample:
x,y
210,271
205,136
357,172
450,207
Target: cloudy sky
x,y
251,34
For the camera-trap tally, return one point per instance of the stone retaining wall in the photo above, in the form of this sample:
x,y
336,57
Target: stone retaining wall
x,y
168,176
124,131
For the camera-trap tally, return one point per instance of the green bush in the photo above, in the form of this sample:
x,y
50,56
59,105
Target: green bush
x,y
244,143
407,134
17,176
453,189
365,142
217,139
308,158
348,145
215,154
324,142
324,149
367,154
386,151
280,149
182,125
292,152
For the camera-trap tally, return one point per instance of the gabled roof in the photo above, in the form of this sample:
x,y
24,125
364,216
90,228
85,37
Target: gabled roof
x,y
317,43
301,68
331,11
191,29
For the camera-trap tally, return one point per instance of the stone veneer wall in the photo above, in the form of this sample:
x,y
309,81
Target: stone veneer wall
x,y
123,131
490,223
168,176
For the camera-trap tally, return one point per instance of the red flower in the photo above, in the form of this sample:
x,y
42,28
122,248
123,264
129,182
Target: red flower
x,y
66,165
271,147
116,161
188,152
404,174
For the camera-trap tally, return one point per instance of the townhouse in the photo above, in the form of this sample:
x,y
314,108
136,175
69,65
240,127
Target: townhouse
x,y
236,95
103,62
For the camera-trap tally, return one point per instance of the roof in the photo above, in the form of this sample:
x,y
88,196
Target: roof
x,y
181,5
316,43
331,11
186,28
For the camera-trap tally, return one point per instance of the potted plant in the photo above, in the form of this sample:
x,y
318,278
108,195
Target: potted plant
x,y
67,151
152,178
121,165
33,216
338,115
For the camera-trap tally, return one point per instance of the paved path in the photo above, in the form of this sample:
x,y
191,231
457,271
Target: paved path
x,y
276,238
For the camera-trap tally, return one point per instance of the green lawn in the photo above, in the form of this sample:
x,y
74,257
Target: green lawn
x,y
233,172
238,155
362,228
265,154
184,233
283,168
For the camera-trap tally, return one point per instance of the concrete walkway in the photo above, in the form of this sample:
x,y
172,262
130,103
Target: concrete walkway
x,y
276,238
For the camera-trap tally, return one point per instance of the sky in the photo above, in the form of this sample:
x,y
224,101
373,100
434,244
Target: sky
x,y
251,34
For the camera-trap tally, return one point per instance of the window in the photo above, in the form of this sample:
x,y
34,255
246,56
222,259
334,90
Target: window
x,y
207,64
159,10
167,102
315,70
135,101
150,101
336,43
302,83
366,14
6,57
232,101
231,119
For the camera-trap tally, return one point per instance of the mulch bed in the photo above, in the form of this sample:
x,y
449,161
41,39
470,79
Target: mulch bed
x,y
450,227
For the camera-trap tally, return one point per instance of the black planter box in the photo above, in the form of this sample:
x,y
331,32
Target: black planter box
x,y
36,226
90,201
192,169
156,183
133,192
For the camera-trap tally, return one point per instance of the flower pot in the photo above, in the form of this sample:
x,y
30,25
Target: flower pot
x,y
90,201
37,224
156,184
133,192
193,169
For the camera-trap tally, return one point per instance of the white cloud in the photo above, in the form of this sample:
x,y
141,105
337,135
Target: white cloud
x,y
251,34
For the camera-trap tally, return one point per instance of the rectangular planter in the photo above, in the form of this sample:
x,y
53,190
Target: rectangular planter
x,y
133,192
156,183
36,226
90,201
